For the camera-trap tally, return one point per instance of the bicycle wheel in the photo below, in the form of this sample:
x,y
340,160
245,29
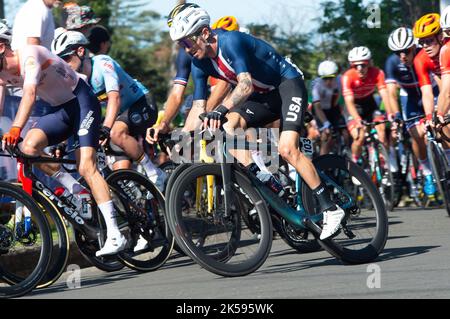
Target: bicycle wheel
x,y
60,238
386,186
141,207
364,230
221,243
25,245
439,165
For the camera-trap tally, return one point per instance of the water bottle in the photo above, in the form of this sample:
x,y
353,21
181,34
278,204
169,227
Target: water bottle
x,y
86,204
268,179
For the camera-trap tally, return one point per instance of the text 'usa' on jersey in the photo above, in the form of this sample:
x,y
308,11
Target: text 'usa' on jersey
x,y
242,53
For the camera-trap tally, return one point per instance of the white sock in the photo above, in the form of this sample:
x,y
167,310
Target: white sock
x,y
148,166
426,168
110,215
67,180
393,165
258,159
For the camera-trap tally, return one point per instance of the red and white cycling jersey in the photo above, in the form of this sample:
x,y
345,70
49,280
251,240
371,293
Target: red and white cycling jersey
x,y
425,67
54,78
444,58
353,85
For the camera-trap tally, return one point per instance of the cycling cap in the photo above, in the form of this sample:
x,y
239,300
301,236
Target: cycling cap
x,y
401,39
188,22
327,69
80,16
177,10
427,26
67,42
228,23
359,54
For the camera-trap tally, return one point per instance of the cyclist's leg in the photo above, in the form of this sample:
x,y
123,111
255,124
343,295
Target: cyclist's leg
x,y
294,99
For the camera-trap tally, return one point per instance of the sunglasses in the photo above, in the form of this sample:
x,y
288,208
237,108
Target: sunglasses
x,y
406,51
427,42
361,66
188,42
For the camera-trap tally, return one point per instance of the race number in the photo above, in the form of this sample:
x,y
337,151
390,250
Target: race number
x,y
306,146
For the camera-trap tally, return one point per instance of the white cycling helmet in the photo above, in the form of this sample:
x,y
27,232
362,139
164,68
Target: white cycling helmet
x,y
5,31
445,18
401,39
327,69
359,54
187,22
67,42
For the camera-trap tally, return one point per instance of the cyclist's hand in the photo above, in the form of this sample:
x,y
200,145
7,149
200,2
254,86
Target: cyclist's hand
x,y
426,122
215,118
12,137
105,133
153,132
440,121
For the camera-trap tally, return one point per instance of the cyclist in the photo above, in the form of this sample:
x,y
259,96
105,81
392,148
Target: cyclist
x,y
325,100
444,96
400,73
358,87
252,66
77,112
175,99
122,94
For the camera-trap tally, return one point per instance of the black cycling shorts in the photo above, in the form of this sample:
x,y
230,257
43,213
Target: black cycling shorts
x,y
288,102
79,117
335,117
140,116
366,108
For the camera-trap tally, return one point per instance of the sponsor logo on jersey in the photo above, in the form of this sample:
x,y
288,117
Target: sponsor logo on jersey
x,y
86,124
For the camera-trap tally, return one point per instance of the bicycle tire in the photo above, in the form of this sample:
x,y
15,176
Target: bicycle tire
x,y
376,244
39,220
228,268
127,257
438,160
388,190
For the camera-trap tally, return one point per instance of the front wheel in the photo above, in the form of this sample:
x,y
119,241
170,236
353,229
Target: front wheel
x,y
364,229
439,165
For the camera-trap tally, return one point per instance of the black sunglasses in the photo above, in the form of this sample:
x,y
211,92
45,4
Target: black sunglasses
x,y
406,51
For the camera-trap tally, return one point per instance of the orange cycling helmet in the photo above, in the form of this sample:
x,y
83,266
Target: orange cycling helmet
x,y
228,23
427,26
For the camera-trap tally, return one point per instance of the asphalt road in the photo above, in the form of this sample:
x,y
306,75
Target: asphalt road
x,y
414,264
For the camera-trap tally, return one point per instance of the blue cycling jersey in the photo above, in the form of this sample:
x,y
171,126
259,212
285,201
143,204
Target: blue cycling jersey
x,y
240,53
107,76
183,67
403,75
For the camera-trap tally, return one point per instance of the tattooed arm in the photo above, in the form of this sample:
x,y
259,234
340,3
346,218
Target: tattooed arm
x,y
242,91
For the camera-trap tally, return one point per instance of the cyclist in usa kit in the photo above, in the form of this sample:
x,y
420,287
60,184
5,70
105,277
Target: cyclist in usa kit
x,y
400,73
77,112
358,86
267,87
122,94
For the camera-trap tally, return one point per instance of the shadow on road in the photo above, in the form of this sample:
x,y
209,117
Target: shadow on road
x,y
404,252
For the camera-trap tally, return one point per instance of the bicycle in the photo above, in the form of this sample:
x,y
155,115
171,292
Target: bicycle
x,y
132,196
29,240
227,233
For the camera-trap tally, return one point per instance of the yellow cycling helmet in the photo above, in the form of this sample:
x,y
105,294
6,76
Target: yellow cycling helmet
x,y
228,23
427,26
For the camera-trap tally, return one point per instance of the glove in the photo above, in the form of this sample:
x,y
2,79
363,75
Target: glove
x,y
105,132
427,119
13,136
217,114
325,126
61,147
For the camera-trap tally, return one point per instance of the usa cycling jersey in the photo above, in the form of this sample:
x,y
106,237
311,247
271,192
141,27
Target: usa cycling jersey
x,y
425,66
183,67
107,76
402,74
353,85
240,53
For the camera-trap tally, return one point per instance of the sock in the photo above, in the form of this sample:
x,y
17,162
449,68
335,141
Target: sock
x,y
393,164
110,215
149,168
67,180
323,196
258,159
426,168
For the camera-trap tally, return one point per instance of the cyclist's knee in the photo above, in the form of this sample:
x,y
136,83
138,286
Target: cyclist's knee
x,y
34,142
289,152
118,133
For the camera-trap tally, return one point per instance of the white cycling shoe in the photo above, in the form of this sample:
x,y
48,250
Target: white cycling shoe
x,y
113,245
331,222
141,244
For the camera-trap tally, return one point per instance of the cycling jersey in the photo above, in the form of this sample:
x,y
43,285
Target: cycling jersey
x,y
54,79
328,97
444,58
240,53
402,74
107,76
425,66
353,85
183,67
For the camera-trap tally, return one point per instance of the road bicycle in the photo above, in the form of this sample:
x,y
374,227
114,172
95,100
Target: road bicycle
x,y
232,247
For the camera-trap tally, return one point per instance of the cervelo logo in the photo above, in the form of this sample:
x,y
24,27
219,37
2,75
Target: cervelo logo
x,y
72,213
294,109
86,124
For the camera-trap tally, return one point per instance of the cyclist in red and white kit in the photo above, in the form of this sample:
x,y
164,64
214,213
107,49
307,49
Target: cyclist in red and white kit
x,y
358,86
